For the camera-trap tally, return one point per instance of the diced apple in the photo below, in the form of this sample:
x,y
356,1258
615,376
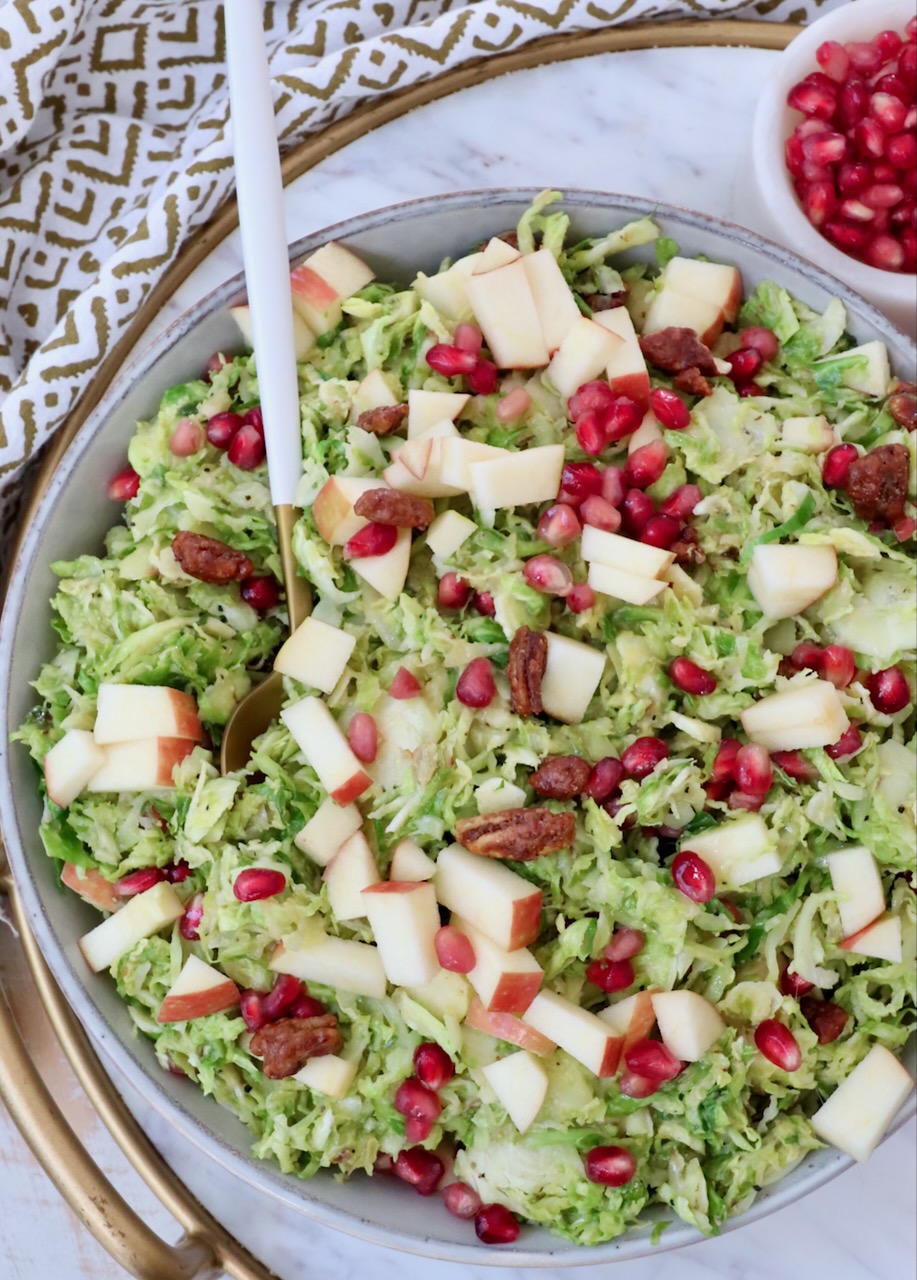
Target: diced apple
x,y
808,715
811,435
688,1024
648,431
387,573
333,511
198,991
496,794
624,553
447,291
447,533
330,1075
626,370
521,1086
507,1027
572,675
585,352
140,766
715,290
457,456
856,1116
139,918
447,997
303,336
335,962
494,899
351,870
374,392
91,886
518,479
404,918
415,459
327,830
670,309
786,578
881,940
505,309
865,368
858,887
70,764
316,654
554,300
327,277
623,586
632,1018
129,712
737,850
496,253
427,408
409,862
505,981
417,467
581,1034
325,748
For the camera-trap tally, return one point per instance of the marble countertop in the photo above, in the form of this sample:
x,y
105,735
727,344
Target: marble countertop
x,y
664,124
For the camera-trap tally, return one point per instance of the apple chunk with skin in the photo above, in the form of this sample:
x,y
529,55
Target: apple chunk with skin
x,y
330,1075
325,748
880,940
518,479
427,408
491,897
632,1018
857,886
703,296
585,352
129,712
505,981
688,1024
326,278
140,766
139,918
316,654
387,573
342,963
858,1113
333,511
624,554
198,991
804,715
581,1034
619,585
70,764
737,850
505,309
409,862
507,1027
786,579
521,1086
374,392
91,886
447,533
554,300
303,336
404,918
626,369
572,675
351,870
327,830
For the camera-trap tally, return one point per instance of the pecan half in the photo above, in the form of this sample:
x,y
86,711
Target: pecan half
x,y
528,657
388,506
675,349
605,301
384,419
561,777
693,382
687,549
210,560
877,483
518,835
287,1045
902,405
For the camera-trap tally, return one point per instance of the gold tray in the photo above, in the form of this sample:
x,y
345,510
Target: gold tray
x,y
207,1250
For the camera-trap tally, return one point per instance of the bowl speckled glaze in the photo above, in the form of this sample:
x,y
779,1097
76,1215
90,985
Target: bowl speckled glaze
x,y
73,516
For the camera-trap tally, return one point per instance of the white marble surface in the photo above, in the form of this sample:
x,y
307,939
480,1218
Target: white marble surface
x,y
663,124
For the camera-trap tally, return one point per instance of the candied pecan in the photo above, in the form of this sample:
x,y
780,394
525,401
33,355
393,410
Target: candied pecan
x,y
528,657
386,418
210,560
687,547
605,301
287,1045
388,506
826,1018
902,405
877,483
676,349
561,777
518,835
693,382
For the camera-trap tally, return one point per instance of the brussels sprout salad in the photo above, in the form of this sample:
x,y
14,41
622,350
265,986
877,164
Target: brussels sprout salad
x,y
576,876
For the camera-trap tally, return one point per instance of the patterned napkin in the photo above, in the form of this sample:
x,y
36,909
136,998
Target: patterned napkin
x,y
114,147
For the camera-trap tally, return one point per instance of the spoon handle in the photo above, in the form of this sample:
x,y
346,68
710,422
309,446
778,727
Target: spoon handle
x,y
264,243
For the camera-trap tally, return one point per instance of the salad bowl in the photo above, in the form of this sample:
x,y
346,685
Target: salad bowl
x,y
71,519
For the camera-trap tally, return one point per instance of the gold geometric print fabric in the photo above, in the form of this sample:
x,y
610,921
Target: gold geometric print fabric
x,y
114,146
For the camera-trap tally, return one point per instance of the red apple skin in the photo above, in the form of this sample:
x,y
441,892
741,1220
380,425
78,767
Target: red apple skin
x,y
395,886
198,1004
171,752
93,888
526,921
353,787
310,286
734,300
506,1027
850,944
514,992
187,721
642,1021
329,509
611,1058
636,385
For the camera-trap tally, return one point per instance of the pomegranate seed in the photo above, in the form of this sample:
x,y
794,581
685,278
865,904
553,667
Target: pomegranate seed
x,y
681,502
451,361
853,178
852,102
124,486
246,449
610,1166
837,464
746,362
256,883
433,1065
870,138
905,528
888,690
187,438
422,1169
601,514
590,433
689,677
895,85
888,43
282,996
222,427
745,800
888,110
453,950
177,872
625,944
610,975
468,337
261,592
793,984
373,539
578,481
363,736
651,1059
216,362
252,1011
725,761
795,765
778,1044
848,744
907,65
138,881
636,510
838,665
559,525
190,923
826,1018
605,779
494,1224
641,757
848,236
511,408
833,59
581,598
693,877
613,487
661,531
865,58
412,1098
732,909
476,687
882,195
793,156
307,1007
902,151
461,1200
884,252
591,397
549,575
484,378
483,602
254,418
453,592
813,100
404,686
634,1086
856,211
753,771
909,245
670,410
646,464
825,148
621,418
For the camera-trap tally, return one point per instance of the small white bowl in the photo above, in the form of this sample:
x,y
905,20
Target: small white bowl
x,y
765,198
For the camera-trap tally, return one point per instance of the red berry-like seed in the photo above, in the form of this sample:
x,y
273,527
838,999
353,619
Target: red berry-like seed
x,y
138,881
691,678
372,540
404,686
826,1018
282,996
753,771
793,984
600,513
453,592
625,944
613,487
610,1166
468,337
559,525
848,744
252,1011
636,510
363,737
622,418
307,1007
605,779
661,531
725,761
591,397
461,1200
246,449
641,757
476,687
581,598
778,1044
680,504
494,1224
451,361
693,877
124,486
652,1060
610,975
795,765
577,481
454,950
412,1098
548,575
837,464
484,604
635,1086
433,1065
222,427
189,925
262,592
590,433
670,410
422,1169
483,378
256,883
646,464
889,691
838,664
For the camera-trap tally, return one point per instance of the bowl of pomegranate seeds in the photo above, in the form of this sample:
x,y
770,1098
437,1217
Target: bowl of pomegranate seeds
x,y
831,169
